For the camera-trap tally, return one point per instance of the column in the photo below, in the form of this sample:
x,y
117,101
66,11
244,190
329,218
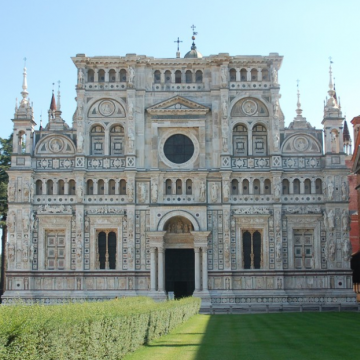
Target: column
x,y
248,74
66,187
251,186
291,186
107,251
56,187
106,186
204,269
44,187
183,78
96,75
183,183
106,75
259,74
302,187
152,269
249,141
241,186
173,76
162,76
95,187
262,186
160,269
313,186
117,186
197,269
237,74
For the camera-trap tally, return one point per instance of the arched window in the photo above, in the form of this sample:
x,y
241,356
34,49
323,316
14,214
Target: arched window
x,y
61,187
90,75
234,187
267,187
123,75
177,77
112,75
101,187
157,77
101,75
72,187
259,140
265,75
256,187
106,250
167,77
168,187
232,75
307,186
245,187
21,142
285,187
122,187
240,140
199,76
243,75
117,140
188,187
178,187
112,187
254,75
188,76
252,255
296,186
97,140
49,187
318,186
38,187
90,187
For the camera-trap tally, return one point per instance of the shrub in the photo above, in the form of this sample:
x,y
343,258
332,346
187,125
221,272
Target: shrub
x,y
88,330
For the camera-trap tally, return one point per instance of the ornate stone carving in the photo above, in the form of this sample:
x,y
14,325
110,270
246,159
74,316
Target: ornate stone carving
x,y
26,192
224,108
178,226
346,250
25,222
142,192
106,210
302,209
130,191
278,252
80,77
330,189
131,72
345,221
87,224
202,191
80,142
344,191
154,190
251,210
11,191
61,209
274,75
214,192
11,252
331,251
131,139
226,191
11,221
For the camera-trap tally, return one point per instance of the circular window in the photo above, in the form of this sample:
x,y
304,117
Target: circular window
x,y
178,149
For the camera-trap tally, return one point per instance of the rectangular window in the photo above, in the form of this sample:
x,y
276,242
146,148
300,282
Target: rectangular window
x,y
304,249
55,250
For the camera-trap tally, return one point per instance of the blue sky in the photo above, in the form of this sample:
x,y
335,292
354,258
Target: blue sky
x,y
305,32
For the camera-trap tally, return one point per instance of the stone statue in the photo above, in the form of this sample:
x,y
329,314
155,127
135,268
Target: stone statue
x,y
277,190
332,251
80,76
202,196
330,189
276,141
80,191
274,75
344,191
331,219
142,192
27,192
347,250
154,191
78,250
11,221
11,191
131,75
225,144
25,223
223,75
35,223
226,191
233,223
131,140
25,252
324,188
87,224
80,142
130,191
278,252
130,109
214,192
11,252
227,283
224,108
345,221
276,108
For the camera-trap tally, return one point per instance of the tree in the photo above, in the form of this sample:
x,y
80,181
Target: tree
x,y
5,163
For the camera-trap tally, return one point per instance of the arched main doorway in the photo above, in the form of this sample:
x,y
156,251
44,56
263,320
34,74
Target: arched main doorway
x,y
179,257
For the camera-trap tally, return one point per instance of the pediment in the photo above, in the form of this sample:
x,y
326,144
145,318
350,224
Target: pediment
x,y
178,105
55,145
300,143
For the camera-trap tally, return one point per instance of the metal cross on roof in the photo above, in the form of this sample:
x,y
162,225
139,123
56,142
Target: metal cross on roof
x,y
178,41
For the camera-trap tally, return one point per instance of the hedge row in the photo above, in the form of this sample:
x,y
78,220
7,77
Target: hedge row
x,y
102,330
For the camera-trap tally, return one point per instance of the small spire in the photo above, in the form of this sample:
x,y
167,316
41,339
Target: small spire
x,y
16,104
58,97
40,127
331,86
298,109
53,102
24,93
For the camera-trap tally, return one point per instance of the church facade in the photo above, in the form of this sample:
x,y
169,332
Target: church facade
x,y
179,175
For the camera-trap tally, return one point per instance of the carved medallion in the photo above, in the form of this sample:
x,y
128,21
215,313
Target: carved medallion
x,y
56,145
106,108
249,107
301,143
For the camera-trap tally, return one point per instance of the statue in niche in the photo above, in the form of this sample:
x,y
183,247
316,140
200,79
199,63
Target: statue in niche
x,y
333,142
224,107
277,189
274,75
202,191
78,250
130,109
25,223
130,191
80,191
177,226
131,140
276,141
331,252
226,191
27,192
225,144
233,223
278,252
279,283
227,283
35,223
330,189
25,251
344,191
87,224
142,192
11,252
331,219
11,191
11,221
154,190
131,75
80,142
347,250
80,76
223,75
345,221
214,192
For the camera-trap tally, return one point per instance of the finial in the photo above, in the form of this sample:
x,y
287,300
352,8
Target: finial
x,y
24,93
25,62
178,41
40,121
331,86
16,104
298,110
193,46
53,84
58,97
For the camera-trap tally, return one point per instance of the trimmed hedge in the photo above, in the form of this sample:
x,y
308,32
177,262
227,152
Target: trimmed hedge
x,y
108,329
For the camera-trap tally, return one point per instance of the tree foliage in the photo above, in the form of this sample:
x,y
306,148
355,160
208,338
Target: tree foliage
x,y
5,162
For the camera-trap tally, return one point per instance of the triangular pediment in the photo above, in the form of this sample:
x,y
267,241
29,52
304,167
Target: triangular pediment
x,y
178,105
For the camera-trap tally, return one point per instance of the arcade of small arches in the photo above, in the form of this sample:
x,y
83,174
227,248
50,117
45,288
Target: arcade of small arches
x,y
249,74
178,76
106,75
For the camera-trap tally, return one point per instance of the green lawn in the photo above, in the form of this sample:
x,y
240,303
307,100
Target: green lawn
x,y
259,336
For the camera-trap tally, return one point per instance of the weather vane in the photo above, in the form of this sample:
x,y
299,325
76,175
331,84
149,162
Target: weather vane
x,y
297,81
330,58
193,29
59,85
178,41
25,61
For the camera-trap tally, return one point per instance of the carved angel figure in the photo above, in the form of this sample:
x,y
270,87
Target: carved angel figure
x,y
202,191
345,221
274,75
80,76
330,189
344,191
131,75
331,219
347,250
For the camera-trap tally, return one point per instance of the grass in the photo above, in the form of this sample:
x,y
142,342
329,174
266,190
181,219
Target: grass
x,y
259,336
